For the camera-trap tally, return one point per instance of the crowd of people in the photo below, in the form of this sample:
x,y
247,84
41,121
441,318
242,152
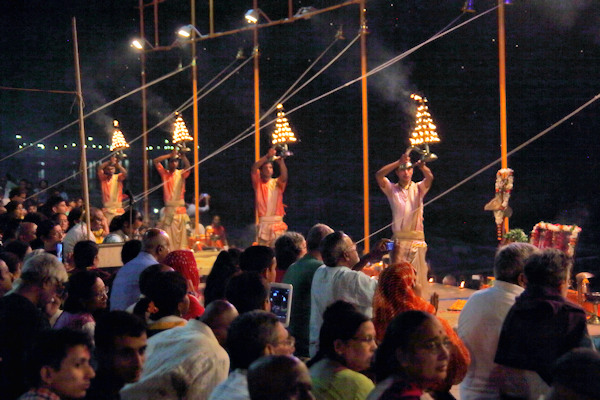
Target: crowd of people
x,y
155,328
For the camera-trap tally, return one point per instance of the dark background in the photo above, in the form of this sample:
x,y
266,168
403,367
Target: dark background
x,y
553,57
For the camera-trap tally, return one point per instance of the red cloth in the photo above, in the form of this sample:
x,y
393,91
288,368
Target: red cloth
x,y
184,262
195,309
395,294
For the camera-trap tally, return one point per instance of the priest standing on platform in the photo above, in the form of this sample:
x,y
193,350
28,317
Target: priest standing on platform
x,y
406,201
111,183
175,218
268,193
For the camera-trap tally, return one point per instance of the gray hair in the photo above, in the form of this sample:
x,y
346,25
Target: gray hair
x,y
40,267
510,260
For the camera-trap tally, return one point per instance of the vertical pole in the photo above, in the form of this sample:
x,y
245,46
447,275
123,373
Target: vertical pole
x,y
211,16
255,54
502,77
290,9
365,121
83,165
144,115
195,96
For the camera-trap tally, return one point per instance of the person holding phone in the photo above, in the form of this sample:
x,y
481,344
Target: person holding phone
x,y
406,201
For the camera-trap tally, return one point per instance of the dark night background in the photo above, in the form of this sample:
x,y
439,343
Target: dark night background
x,y
553,59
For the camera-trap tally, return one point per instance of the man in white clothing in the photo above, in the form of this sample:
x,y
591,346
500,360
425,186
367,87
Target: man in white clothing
x,y
187,362
481,319
340,279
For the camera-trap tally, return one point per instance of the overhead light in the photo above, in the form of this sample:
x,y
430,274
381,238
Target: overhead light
x,y
508,2
137,44
468,7
304,10
186,31
253,15
240,54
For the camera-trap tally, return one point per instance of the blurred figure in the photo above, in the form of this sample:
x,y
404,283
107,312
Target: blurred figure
x,y
6,280
223,268
216,233
412,358
130,250
49,235
248,291
576,376
111,175
124,227
80,231
184,262
62,220
59,366
27,232
13,265
347,343
279,377
85,255
120,340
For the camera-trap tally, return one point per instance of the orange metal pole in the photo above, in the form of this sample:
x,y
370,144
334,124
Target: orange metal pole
x,y
256,94
365,121
502,73
144,116
195,108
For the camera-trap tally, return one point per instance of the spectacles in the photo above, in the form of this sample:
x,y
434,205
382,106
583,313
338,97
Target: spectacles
x,y
103,293
366,339
290,342
435,345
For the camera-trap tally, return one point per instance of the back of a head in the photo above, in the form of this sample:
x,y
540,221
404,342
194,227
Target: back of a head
x,y
219,315
276,377
114,324
35,217
84,254
341,320
288,249
17,247
223,268
50,203
397,335
510,259
40,267
152,238
332,248
12,261
166,289
184,262
315,235
548,268
50,348
44,228
256,258
248,336
130,250
247,291
578,373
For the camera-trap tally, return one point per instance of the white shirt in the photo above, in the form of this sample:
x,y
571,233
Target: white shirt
x,y
406,205
479,327
181,363
234,388
331,284
76,234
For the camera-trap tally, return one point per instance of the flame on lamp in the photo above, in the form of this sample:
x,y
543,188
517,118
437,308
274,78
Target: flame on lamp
x,y
118,140
283,133
180,132
425,130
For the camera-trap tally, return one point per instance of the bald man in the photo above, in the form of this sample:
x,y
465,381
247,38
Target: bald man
x,y
126,290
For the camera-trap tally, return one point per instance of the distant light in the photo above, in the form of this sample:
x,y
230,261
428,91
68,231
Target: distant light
x,y
90,138
20,146
156,210
93,146
157,147
55,147
73,144
166,141
99,146
18,137
150,148
43,164
251,16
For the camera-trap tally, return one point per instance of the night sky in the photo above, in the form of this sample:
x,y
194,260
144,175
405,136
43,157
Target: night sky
x,y
553,59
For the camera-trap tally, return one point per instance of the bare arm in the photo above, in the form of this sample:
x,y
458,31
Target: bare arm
x,y
428,175
382,180
259,163
122,171
186,162
374,256
283,171
164,157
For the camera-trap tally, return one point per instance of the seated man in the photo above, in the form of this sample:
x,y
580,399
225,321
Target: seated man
x,y
120,339
540,327
279,377
251,336
59,366
186,362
